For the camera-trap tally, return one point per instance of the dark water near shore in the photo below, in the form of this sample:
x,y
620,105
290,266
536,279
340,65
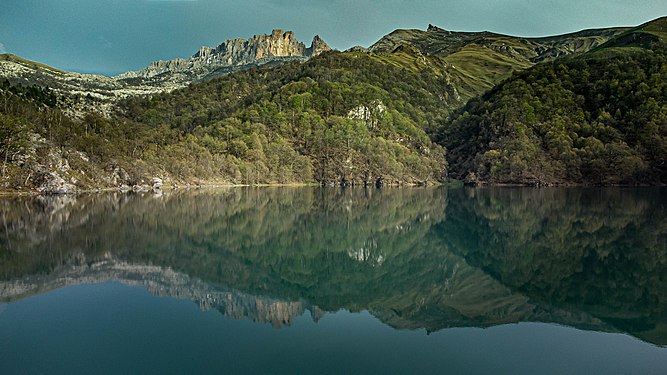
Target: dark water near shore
x,y
309,280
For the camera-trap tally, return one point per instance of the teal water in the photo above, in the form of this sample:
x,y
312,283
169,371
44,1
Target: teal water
x,y
309,280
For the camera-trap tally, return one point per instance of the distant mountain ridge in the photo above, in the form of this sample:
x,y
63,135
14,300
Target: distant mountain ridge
x,y
258,50
436,41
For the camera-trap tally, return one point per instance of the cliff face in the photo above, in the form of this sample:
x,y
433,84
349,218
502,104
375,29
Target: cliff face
x,y
279,45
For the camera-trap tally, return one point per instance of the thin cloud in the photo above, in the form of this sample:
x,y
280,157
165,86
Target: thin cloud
x,y
2,48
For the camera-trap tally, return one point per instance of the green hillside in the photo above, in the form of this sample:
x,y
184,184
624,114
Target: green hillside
x,y
356,117
600,118
474,62
339,118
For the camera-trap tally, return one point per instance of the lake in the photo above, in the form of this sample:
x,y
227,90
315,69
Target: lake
x,y
324,280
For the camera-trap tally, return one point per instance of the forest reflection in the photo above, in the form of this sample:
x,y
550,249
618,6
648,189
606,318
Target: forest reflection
x,y
427,258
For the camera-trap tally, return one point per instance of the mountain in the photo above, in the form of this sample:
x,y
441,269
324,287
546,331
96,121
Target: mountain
x,y
644,35
474,62
597,118
358,117
279,46
271,110
83,93
436,41
77,93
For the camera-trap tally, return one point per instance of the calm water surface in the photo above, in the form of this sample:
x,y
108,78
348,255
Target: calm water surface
x,y
309,280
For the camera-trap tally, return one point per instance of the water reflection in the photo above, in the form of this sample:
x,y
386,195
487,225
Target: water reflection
x,y
601,251
415,258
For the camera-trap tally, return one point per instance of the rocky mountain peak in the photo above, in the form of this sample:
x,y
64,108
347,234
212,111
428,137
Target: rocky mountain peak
x,y
277,33
317,46
238,52
432,28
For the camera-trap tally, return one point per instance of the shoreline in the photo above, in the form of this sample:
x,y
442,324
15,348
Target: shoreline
x,y
172,188
165,188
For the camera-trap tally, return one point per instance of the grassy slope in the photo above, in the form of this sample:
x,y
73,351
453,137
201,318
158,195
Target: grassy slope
x,y
656,27
474,62
477,69
28,63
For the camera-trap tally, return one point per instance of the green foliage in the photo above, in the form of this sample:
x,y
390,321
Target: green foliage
x,y
337,119
341,118
371,118
14,139
39,94
598,119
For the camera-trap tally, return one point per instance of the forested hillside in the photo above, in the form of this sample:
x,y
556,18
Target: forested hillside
x,y
600,118
339,118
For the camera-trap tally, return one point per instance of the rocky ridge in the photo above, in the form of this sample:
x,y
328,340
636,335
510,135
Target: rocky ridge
x,y
78,93
82,93
258,50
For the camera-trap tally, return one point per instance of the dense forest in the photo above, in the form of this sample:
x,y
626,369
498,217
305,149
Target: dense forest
x,y
600,119
338,119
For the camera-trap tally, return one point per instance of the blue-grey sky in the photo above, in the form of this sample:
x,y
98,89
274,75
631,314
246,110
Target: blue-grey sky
x,y
113,36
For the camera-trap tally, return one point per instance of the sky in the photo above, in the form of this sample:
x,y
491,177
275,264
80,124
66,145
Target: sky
x,y
114,36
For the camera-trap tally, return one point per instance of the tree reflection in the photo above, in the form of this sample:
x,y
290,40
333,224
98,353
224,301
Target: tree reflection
x,y
416,258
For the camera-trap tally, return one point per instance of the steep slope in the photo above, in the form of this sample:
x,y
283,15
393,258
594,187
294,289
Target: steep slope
x,y
439,42
643,36
599,118
354,120
336,119
359,117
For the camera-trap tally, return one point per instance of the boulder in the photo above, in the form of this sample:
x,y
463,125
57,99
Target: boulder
x,y
52,183
140,188
156,183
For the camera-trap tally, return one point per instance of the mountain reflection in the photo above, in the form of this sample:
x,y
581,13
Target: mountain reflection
x,y
602,251
415,258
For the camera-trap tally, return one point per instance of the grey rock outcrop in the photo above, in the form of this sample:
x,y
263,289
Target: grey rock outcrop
x,y
52,183
156,182
317,47
260,49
